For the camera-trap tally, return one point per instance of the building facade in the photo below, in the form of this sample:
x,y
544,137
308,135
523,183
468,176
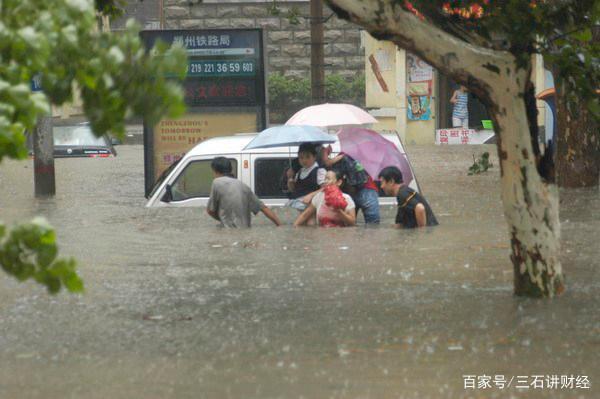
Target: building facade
x,y
408,96
287,40
402,92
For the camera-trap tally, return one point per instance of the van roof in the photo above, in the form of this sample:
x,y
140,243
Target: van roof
x,y
235,144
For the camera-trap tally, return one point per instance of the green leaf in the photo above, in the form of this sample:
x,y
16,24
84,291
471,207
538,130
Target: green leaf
x,y
73,283
29,251
46,255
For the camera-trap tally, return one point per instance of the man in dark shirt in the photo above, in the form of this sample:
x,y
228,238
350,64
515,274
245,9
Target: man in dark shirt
x,y
413,209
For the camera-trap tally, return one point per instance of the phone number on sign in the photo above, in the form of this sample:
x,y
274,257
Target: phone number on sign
x,y
222,68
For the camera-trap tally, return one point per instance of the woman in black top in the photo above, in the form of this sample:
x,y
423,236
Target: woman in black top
x,y
305,183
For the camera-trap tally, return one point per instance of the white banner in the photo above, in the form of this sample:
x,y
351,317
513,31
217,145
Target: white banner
x,y
462,136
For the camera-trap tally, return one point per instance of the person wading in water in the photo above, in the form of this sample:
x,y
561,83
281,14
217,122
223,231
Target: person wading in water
x,y
413,209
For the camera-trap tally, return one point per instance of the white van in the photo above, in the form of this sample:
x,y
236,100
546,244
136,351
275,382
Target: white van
x,y
187,182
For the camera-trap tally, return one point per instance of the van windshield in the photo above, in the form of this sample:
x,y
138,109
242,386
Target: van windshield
x,y
162,177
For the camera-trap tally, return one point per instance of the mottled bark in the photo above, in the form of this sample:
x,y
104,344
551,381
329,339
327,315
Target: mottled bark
x,y
530,206
578,143
43,161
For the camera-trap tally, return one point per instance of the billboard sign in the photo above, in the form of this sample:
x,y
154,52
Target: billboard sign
x,y
224,90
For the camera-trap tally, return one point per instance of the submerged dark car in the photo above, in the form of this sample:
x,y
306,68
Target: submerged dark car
x,y
79,141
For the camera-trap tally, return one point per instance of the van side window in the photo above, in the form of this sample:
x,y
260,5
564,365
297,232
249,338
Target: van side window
x,y
195,180
267,177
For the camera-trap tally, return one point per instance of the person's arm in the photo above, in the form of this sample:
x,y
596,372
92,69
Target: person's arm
x,y
271,215
454,95
398,221
256,205
212,208
291,181
213,214
330,161
307,199
420,215
305,215
348,216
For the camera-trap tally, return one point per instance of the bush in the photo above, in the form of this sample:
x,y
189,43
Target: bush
x,y
287,95
286,92
481,164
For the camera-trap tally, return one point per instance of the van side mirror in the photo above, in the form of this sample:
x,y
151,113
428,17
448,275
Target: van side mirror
x,y
168,197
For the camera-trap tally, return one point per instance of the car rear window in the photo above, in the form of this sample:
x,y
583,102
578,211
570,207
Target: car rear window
x,y
76,136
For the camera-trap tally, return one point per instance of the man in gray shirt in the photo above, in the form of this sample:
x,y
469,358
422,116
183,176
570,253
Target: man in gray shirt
x,y
231,201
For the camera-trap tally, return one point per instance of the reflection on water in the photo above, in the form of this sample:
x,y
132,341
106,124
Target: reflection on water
x,y
176,307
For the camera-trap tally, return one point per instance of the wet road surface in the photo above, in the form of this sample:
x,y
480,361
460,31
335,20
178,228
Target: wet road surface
x,y
177,308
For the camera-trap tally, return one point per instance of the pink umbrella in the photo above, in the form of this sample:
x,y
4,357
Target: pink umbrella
x,y
323,115
373,151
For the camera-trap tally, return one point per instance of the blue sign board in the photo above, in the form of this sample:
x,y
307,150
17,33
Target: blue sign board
x,y
225,74
36,82
217,61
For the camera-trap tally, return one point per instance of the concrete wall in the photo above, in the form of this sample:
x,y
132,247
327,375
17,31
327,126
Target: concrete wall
x,y
386,93
147,13
287,45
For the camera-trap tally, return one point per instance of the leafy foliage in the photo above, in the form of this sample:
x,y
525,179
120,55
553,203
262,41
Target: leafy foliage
x,y
29,251
293,13
58,42
59,39
288,91
112,8
288,95
561,31
481,164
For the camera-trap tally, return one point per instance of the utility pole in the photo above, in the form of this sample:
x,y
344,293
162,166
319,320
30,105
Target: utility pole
x,y
43,161
317,56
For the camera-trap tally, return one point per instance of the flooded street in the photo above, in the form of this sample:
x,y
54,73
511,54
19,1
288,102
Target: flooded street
x,y
177,308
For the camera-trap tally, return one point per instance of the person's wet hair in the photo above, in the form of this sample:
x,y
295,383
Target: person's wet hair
x,y
221,165
391,173
307,148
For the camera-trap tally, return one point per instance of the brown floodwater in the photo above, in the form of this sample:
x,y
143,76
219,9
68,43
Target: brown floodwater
x,y
177,308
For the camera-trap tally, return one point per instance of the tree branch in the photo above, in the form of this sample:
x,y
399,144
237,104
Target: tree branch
x,y
467,63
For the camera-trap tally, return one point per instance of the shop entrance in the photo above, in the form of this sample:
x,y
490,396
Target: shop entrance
x,y
477,111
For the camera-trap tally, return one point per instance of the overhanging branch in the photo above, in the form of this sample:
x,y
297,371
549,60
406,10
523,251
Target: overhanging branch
x,y
387,20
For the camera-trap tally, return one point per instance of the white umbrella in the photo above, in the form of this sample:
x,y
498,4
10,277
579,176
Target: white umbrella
x,y
324,115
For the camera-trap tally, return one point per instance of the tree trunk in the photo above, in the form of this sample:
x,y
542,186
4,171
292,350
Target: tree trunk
x,y
578,143
43,158
317,54
530,206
